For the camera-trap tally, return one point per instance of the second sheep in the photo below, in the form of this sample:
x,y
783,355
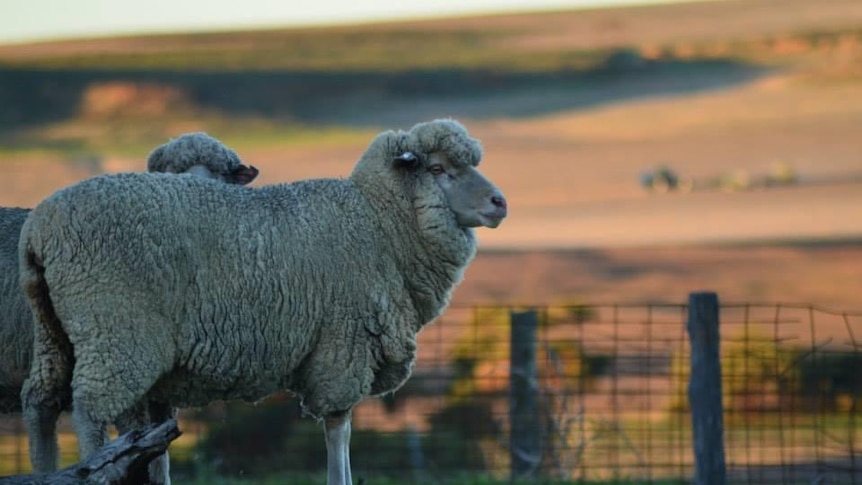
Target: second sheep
x,y
193,153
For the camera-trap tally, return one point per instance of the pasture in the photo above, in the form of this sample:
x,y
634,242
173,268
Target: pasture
x,y
572,109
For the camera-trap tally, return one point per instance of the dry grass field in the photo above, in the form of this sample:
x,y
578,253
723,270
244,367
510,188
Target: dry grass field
x,y
569,155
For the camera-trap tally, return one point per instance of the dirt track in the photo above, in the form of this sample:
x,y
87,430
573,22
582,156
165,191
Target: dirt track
x,y
779,214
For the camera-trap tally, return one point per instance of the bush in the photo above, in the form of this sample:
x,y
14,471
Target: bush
x,y
271,438
251,439
759,375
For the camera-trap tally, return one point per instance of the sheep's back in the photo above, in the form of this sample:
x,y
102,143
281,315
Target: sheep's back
x,y
238,283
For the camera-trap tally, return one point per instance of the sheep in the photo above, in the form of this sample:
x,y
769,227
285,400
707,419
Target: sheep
x,y
181,292
200,154
195,153
16,321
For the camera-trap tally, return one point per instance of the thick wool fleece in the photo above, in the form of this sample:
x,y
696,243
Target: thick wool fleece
x,y
16,321
186,291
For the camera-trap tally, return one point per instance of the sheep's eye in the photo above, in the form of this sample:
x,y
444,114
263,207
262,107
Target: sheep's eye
x,y
436,169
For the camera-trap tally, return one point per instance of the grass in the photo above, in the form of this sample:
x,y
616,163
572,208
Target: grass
x,y
356,65
82,139
392,48
319,480
631,447
366,49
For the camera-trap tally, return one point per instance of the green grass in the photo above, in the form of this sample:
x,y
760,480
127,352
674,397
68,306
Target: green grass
x,y
320,480
628,451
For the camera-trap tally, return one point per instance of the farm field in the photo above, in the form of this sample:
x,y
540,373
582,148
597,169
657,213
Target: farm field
x,y
581,227
572,108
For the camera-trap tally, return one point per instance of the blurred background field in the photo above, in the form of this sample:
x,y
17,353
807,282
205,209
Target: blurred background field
x,y
645,151
757,105
574,108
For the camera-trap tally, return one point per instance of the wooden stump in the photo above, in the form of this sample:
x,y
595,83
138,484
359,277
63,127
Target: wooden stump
x,y
123,461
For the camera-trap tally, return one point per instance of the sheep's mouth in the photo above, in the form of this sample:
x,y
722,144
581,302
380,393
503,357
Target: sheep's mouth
x,y
493,218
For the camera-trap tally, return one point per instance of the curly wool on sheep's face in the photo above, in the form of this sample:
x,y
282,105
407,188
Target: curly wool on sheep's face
x,y
317,286
451,162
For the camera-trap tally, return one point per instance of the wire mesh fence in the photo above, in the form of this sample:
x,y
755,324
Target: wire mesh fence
x,y
611,403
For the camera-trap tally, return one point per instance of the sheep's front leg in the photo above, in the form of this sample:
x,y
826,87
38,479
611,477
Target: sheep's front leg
x,y
92,434
42,429
337,428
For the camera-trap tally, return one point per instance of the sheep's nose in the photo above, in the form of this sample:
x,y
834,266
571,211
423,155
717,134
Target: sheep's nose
x,y
498,201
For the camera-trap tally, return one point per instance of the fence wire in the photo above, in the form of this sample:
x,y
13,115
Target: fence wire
x,y
611,387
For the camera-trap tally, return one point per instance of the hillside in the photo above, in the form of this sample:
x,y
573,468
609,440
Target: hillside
x,y
360,76
572,108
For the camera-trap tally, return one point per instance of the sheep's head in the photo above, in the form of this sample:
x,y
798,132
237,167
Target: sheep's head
x,y
447,155
431,171
201,155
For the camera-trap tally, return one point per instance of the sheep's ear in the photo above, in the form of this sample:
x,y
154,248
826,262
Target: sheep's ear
x,y
244,174
407,160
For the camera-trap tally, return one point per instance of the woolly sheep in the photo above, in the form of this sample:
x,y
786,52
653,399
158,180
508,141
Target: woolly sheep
x,y
189,292
16,321
195,153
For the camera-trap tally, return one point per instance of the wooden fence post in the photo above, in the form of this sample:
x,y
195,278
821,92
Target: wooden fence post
x,y
525,442
704,389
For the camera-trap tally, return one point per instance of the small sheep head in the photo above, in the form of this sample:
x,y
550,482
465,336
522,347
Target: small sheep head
x,y
444,150
201,155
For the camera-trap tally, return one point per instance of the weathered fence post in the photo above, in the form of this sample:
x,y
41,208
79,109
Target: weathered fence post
x,y
525,442
704,390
